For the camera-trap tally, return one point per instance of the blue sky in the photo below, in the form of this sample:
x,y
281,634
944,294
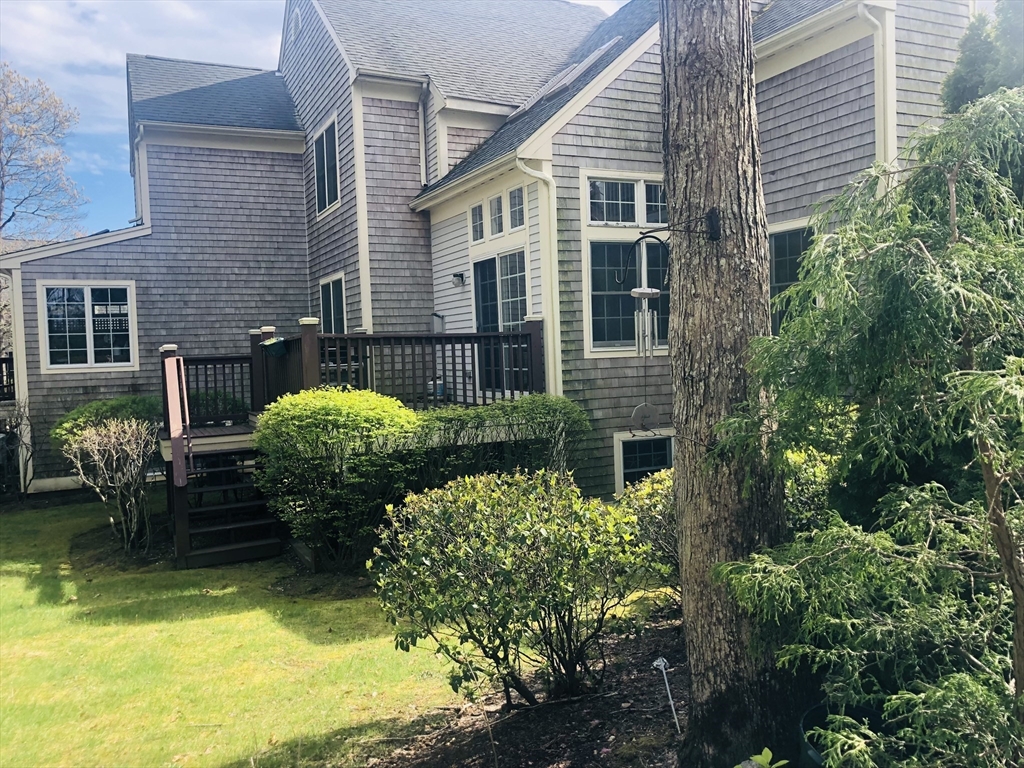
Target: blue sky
x,y
78,48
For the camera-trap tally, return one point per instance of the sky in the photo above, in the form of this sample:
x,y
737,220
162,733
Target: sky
x,y
78,48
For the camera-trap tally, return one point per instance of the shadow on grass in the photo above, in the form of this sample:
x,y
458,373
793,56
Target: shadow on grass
x,y
345,747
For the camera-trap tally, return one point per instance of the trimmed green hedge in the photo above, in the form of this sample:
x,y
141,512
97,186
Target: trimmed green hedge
x,y
138,407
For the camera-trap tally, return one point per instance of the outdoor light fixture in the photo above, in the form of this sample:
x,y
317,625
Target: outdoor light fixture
x,y
458,279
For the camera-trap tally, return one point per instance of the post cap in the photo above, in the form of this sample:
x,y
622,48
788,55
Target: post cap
x,y
268,329
309,321
255,331
169,348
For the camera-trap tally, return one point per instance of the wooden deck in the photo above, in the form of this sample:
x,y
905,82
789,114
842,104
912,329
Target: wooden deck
x,y
206,439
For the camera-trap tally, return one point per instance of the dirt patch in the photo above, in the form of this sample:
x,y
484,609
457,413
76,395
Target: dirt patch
x,y
101,547
628,724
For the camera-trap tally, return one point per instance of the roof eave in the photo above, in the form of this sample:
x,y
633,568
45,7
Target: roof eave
x,y
457,186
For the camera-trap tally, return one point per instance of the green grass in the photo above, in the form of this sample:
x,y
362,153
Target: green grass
x,y
147,666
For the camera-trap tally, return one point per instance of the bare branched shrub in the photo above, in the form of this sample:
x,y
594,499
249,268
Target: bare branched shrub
x,y
112,458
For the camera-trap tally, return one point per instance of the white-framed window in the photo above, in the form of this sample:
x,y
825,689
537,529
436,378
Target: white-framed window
x,y
614,271
787,250
88,324
325,157
476,223
494,208
612,202
499,285
638,455
332,304
655,205
516,209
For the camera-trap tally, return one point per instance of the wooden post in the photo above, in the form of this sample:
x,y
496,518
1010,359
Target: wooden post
x,y
310,352
167,350
538,381
177,488
257,381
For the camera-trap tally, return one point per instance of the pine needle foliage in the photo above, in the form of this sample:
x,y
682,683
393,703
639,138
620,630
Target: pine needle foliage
x,y
905,337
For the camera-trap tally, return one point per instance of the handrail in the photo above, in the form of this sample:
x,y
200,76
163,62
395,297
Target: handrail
x,y
185,411
175,427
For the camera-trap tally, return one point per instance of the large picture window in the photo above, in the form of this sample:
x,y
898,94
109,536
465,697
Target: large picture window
x,y
612,307
88,326
325,151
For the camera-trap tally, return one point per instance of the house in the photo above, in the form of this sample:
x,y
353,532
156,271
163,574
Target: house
x,y
450,167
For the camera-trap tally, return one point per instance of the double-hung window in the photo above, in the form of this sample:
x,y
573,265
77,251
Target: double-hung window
x,y
332,305
497,221
612,202
656,205
516,209
88,325
613,274
325,154
476,218
787,250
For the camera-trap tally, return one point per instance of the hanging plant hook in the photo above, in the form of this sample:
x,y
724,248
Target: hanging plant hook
x,y
713,228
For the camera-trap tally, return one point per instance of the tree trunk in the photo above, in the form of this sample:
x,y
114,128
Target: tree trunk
x,y
719,302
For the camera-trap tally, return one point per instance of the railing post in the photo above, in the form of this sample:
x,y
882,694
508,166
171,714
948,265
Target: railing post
x,y
257,382
167,350
538,380
310,352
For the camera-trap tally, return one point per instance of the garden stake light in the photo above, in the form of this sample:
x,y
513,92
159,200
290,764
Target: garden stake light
x,y
661,664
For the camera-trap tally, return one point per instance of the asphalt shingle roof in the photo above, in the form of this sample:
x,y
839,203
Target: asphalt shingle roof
x,y
782,14
191,92
500,52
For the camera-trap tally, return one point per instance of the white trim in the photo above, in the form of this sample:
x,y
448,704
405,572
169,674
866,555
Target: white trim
x,y
884,49
457,118
381,87
441,137
344,300
362,210
44,336
482,107
788,225
224,137
618,438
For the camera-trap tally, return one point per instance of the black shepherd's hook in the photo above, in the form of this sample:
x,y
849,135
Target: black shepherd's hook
x,y
712,220
632,249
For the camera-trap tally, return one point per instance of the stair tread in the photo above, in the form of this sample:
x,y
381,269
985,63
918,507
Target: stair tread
x,y
232,505
231,526
218,488
235,547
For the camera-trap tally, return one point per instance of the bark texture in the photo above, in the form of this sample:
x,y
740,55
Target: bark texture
x,y
719,302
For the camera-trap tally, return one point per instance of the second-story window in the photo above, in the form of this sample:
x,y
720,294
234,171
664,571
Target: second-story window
x,y
612,201
516,209
497,221
325,151
476,216
657,208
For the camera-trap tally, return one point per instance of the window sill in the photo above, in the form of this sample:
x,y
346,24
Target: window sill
x,y
329,209
613,352
87,367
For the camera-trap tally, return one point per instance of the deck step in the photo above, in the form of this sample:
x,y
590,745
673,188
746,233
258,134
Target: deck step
x,y
251,503
233,553
232,526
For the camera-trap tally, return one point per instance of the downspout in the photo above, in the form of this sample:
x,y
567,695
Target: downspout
x,y
549,277
424,90
882,95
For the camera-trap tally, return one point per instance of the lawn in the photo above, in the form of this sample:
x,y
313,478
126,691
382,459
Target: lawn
x,y
104,664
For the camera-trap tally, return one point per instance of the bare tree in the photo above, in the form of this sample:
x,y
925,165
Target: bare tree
x,y
727,507
6,324
38,201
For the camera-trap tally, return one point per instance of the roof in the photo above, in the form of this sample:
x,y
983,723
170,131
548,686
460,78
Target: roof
x,y
628,24
196,93
499,52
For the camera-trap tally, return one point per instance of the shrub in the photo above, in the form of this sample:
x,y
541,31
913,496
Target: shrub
x,y
111,457
333,460
507,571
140,408
652,502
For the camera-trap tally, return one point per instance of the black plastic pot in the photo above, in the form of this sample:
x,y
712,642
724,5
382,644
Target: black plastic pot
x,y
817,717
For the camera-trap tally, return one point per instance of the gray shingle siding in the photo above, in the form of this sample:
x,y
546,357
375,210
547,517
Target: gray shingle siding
x,y
533,223
817,127
226,253
462,141
927,34
619,130
430,137
449,242
400,269
318,80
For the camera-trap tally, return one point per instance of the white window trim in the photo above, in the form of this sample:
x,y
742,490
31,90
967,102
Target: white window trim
x,y
789,224
526,208
483,212
619,438
337,161
491,234
344,298
471,280
44,335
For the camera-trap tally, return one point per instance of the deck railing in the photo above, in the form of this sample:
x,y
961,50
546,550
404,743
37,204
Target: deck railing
x,y
219,388
6,378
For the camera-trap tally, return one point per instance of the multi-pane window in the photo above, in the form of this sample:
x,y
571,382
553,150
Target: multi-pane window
x,y
612,306
513,289
497,222
644,457
325,152
657,208
332,305
88,326
613,201
516,209
787,248
476,216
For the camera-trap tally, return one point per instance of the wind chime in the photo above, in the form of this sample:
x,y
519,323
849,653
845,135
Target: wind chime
x,y
645,416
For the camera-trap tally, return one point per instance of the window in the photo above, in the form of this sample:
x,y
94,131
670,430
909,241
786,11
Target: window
x,y
612,306
476,216
516,210
497,224
645,456
613,201
787,248
88,325
325,151
657,208
500,287
332,305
